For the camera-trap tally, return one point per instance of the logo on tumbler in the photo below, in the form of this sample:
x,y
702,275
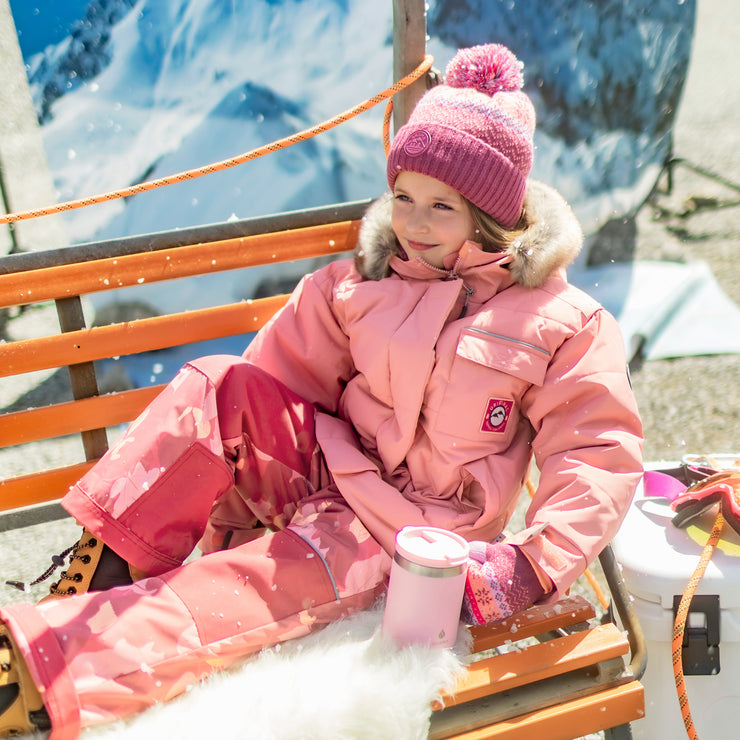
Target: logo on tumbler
x,y
497,415
417,143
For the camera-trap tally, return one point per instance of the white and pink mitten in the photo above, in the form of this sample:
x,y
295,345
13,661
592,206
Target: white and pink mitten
x,y
500,582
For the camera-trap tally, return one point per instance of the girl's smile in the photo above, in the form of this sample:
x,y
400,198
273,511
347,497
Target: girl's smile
x,y
419,247
430,219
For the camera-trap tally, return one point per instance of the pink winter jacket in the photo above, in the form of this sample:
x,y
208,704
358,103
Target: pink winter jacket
x,y
436,387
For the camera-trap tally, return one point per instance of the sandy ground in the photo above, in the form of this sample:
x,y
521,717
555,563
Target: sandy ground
x,y
689,404
692,404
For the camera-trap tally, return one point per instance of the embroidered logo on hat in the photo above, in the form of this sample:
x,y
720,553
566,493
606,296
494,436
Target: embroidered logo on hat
x,y
417,143
497,415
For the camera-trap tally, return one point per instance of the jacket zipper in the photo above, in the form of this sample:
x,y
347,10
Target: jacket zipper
x,y
508,339
452,275
468,293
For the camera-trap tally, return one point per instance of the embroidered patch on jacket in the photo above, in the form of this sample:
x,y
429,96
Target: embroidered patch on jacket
x,y
497,415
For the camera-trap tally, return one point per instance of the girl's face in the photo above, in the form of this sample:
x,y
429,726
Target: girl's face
x,y
430,219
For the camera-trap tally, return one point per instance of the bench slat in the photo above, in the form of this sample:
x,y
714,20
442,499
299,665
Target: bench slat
x,y
543,660
567,720
70,417
132,337
41,487
35,286
536,620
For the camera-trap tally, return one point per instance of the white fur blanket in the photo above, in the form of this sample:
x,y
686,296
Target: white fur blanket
x,y
345,681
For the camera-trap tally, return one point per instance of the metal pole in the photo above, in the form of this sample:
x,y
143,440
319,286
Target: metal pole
x,y
82,376
409,50
626,612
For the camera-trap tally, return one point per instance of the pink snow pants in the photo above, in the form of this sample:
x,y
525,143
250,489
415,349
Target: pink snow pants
x,y
224,446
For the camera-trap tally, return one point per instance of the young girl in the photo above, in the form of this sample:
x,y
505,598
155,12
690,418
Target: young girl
x,y
412,385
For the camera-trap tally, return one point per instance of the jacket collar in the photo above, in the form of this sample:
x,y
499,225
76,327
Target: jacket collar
x,y
550,242
484,272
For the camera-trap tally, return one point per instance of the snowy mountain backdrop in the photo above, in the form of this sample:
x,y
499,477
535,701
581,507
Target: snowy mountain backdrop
x,y
139,89
132,90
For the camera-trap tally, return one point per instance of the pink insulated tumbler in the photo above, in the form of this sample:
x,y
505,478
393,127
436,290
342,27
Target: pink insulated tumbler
x,y
426,587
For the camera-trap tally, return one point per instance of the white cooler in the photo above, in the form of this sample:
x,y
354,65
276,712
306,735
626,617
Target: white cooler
x,y
657,559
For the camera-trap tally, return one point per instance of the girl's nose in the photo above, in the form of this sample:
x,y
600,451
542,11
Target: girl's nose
x,y
417,221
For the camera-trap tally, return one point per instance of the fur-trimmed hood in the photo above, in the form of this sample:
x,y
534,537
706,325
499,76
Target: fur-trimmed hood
x,y
552,240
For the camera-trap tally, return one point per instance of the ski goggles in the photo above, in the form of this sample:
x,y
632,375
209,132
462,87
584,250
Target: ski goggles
x,y
721,488
692,490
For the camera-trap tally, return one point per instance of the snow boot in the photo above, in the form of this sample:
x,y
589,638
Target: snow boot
x,y
93,566
21,708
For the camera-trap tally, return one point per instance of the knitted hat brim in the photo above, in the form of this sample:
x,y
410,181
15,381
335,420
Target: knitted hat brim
x,y
476,170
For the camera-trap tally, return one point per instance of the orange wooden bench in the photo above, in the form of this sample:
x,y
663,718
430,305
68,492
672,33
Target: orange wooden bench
x,y
572,680
575,679
67,274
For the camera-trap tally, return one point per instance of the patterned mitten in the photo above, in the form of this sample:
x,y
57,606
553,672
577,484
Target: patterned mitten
x,y
501,581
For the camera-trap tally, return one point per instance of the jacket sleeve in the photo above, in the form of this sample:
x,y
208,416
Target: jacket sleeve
x,y
303,344
587,447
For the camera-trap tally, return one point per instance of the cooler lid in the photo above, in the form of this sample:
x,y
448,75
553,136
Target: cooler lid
x,y
657,558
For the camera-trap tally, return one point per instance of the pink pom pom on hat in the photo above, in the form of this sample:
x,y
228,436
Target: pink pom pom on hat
x,y
474,133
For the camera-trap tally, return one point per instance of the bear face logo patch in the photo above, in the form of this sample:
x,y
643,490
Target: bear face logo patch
x,y
497,415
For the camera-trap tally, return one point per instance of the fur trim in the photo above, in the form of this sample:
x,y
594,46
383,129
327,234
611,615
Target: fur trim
x,y
377,242
552,239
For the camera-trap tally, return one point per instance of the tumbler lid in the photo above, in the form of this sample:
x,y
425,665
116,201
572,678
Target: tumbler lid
x,y
431,546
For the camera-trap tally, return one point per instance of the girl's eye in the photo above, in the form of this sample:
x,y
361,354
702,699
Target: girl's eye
x,y
442,206
403,198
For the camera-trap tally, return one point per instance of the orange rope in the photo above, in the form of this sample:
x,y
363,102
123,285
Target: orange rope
x,y
227,163
680,625
596,588
530,487
387,127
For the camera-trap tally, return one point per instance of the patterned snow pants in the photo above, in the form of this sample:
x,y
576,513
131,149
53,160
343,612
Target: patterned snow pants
x,y
222,448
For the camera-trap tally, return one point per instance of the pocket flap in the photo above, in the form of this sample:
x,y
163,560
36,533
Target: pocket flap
x,y
512,356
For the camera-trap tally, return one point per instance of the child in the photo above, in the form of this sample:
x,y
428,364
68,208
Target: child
x,y
412,385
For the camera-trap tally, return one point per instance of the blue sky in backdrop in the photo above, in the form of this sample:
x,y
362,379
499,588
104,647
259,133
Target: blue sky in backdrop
x,y
43,22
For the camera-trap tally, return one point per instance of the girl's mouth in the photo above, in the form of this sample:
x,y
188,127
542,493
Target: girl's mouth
x,y
418,246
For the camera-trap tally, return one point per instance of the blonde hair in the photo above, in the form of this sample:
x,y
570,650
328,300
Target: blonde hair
x,y
491,235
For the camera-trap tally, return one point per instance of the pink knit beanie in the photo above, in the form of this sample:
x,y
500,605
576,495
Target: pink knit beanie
x,y
474,133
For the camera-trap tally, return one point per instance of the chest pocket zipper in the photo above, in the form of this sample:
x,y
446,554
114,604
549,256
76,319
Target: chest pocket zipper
x,y
512,356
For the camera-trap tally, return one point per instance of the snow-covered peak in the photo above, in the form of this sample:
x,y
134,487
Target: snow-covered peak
x,y
193,82
147,88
